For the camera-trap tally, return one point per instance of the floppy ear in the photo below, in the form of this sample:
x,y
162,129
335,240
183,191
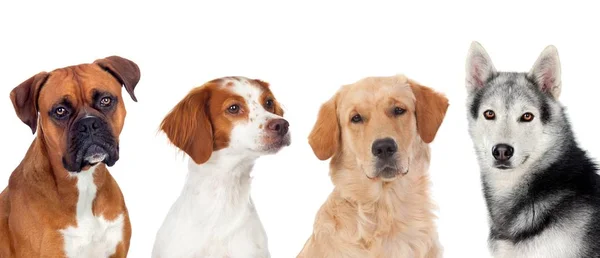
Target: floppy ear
x,y
188,126
546,72
324,139
479,67
430,110
124,70
24,99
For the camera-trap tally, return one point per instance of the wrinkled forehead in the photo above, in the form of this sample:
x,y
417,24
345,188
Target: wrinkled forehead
x,y
512,90
77,85
377,92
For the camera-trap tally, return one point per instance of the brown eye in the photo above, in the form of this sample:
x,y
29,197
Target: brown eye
x,y
105,102
356,119
399,111
527,117
489,115
269,103
60,112
233,109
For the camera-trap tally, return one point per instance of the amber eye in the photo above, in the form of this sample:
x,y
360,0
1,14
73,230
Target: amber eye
x,y
269,103
233,109
60,112
527,117
105,102
399,111
356,119
489,115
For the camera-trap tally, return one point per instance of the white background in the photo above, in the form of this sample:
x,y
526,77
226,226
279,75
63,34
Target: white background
x,y
306,51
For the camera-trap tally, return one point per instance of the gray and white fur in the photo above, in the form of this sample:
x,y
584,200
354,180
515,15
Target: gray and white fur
x,y
542,191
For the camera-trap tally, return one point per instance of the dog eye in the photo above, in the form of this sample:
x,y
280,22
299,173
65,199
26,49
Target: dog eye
x,y
60,112
269,103
527,117
105,102
489,115
233,109
356,119
399,111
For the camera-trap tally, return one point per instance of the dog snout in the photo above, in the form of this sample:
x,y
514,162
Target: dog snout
x,y
89,124
278,126
502,152
384,148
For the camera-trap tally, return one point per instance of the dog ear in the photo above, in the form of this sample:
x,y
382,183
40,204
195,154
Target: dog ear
x,y
125,71
479,67
188,125
430,110
324,139
24,99
546,72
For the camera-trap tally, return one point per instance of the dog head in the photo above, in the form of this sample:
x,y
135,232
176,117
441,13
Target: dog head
x,y
514,118
234,113
78,110
374,123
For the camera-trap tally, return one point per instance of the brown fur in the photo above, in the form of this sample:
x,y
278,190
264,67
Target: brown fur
x,y
200,124
41,198
366,216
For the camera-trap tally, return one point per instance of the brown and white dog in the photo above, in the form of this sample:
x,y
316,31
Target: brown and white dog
x,y
61,201
377,132
224,126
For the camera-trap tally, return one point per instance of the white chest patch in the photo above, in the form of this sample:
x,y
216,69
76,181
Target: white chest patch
x,y
93,236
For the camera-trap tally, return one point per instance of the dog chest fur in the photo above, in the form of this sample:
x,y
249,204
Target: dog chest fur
x,y
92,236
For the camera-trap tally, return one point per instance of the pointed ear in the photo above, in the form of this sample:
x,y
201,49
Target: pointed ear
x,y
479,67
430,110
24,99
188,125
324,139
124,70
546,72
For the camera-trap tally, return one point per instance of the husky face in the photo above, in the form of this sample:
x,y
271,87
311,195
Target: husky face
x,y
514,118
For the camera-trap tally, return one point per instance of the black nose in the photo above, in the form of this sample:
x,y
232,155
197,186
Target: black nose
x,y
502,152
89,124
278,126
384,148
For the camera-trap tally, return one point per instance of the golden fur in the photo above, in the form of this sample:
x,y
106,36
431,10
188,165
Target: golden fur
x,y
366,215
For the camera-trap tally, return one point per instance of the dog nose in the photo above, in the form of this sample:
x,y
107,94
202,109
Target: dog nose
x,y
278,126
384,148
502,152
88,124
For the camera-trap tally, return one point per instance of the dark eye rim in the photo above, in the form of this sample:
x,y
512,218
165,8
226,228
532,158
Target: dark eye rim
x,y
236,109
269,103
59,116
399,111
492,117
356,119
522,119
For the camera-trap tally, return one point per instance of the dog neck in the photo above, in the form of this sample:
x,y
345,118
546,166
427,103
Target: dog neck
x,y
222,182
45,169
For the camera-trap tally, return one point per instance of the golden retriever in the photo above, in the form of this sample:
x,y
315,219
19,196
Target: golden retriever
x,y
377,132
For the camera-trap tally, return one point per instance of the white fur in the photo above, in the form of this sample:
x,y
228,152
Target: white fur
x,y
214,216
92,236
559,241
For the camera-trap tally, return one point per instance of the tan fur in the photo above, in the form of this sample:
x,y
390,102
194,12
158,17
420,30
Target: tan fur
x,y
366,216
41,197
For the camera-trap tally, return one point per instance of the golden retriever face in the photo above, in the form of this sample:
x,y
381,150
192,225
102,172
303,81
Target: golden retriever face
x,y
374,123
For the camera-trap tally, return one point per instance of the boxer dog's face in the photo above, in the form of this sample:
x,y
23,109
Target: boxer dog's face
x,y
81,114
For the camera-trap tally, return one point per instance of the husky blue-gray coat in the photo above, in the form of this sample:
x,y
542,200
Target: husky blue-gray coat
x,y
541,189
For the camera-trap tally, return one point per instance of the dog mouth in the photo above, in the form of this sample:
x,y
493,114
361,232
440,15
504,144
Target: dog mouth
x,y
388,171
90,155
274,144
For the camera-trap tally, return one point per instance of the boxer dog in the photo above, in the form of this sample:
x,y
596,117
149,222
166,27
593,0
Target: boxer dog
x,y
61,201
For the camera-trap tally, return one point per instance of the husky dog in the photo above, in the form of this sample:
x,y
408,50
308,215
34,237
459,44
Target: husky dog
x,y
541,189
